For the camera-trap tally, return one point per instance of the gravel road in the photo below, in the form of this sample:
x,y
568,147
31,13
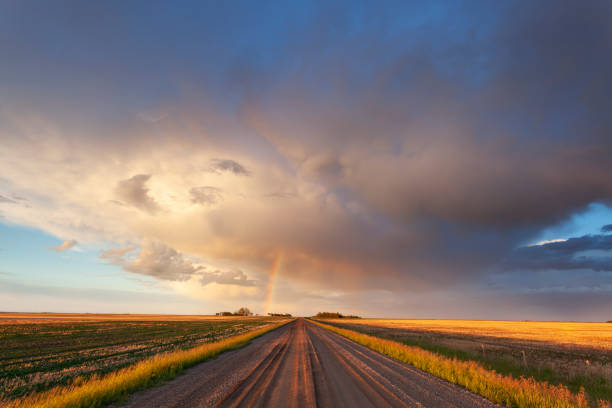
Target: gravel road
x,y
303,365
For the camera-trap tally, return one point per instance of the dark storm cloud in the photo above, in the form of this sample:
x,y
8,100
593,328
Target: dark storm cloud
x,y
134,191
496,305
503,128
466,142
592,252
561,305
606,228
457,145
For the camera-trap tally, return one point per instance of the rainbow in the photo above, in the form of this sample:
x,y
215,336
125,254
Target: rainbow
x,y
272,281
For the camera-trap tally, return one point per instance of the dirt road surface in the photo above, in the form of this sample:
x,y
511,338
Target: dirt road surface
x,y
303,365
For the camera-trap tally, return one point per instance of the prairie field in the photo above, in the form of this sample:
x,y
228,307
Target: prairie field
x,y
11,318
42,351
596,335
572,354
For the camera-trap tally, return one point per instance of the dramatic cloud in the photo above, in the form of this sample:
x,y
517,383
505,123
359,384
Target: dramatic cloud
x,y
205,195
133,191
606,228
225,165
411,151
162,262
592,252
64,246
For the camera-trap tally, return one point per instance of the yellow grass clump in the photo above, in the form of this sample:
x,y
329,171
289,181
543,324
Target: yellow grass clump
x,y
101,391
505,390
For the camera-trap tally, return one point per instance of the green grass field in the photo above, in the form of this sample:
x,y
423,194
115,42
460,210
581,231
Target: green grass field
x,y
36,355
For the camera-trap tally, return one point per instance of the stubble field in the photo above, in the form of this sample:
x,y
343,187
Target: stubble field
x,y
41,351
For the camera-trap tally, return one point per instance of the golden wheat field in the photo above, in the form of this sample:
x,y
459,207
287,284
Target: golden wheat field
x,y
596,335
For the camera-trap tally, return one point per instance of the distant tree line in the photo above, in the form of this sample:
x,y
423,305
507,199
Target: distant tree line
x,y
243,311
280,314
335,315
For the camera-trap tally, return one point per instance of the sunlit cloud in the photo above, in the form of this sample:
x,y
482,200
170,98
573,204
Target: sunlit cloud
x,y
116,256
157,260
64,246
548,241
133,191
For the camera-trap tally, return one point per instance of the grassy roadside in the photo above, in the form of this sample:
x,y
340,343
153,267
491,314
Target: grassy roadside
x,y
101,391
503,389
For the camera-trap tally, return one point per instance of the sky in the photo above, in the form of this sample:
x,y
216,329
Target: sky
x,y
395,159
